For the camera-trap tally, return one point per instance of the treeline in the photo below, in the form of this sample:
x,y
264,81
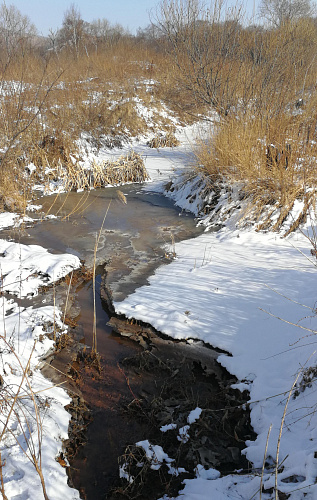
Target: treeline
x,y
75,34
212,51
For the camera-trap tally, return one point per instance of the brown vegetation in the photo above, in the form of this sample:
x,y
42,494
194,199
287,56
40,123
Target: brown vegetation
x,y
261,82
168,140
53,94
92,81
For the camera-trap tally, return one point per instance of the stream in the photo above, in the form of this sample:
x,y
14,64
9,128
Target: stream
x,y
142,380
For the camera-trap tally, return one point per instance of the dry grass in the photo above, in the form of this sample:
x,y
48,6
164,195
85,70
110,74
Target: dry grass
x,y
271,161
168,140
129,168
14,190
97,96
266,143
262,84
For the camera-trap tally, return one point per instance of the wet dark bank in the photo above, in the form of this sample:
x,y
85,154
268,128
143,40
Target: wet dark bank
x,y
145,381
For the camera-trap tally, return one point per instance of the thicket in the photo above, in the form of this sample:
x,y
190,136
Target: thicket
x,y
262,83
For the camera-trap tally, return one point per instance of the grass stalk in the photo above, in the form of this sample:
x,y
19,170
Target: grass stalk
x,y
54,311
281,428
4,496
264,459
67,297
94,335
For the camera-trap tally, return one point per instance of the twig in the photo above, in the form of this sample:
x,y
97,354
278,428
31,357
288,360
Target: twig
x,y
129,386
288,298
4,496
94,341
290,323
70,282
282,424
264,458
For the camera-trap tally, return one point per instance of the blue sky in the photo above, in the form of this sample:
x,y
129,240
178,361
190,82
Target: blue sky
x,y
46,14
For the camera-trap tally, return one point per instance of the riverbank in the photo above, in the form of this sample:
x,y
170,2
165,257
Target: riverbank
x,y
252,294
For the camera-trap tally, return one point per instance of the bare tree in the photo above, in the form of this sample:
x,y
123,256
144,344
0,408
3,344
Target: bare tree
x,y
72,33
21,102
277,12
52,39
102,32
99,29
206,47
16,30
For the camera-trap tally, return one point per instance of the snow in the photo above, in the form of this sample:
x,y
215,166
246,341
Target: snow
x,y
23,343
157,457
26,267
207,474
8,219
168,427
194,415
155,454
183,432
183,435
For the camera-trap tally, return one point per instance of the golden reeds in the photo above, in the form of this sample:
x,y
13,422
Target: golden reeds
x,y
129,168
168,140
269,159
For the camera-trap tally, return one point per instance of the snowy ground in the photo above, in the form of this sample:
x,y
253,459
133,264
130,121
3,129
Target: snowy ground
x,y
33,420
254,295
251,294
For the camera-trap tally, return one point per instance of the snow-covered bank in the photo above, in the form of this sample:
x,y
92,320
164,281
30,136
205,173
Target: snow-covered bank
x,y
33,418
254,295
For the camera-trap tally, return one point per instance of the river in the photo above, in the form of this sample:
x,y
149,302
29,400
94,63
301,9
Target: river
x,y
115,405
